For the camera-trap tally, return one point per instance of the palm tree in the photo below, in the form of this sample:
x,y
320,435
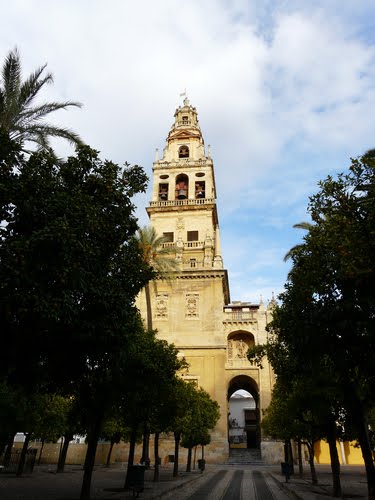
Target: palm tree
x,y
162,259
300,225
159,257
20,117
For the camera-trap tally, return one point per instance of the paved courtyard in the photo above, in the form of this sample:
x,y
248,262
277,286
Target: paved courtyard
x,y
217,482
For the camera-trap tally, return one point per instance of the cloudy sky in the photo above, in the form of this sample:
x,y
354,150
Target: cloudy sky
x,y
285,92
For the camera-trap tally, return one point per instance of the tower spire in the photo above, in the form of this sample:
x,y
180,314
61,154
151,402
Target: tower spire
x,y
183,204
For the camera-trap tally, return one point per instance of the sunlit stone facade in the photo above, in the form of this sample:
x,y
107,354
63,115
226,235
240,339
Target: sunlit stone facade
x,y
193,310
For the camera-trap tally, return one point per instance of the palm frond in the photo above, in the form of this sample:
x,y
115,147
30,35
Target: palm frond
x,y
11,78
18,117
294,250
30,87
11,75
1,104
39,134
159,256
44,109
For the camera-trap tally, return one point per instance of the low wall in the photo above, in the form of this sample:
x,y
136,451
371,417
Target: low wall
x,y
216,452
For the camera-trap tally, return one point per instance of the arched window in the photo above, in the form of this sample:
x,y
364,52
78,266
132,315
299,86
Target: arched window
x,y
183,152
182,186
200,189
163,191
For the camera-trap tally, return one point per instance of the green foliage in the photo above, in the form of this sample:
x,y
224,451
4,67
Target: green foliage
x,y
53,414
11,415
70,268
160,257
114,430
332,278
149,382
201,417
323,332
20,116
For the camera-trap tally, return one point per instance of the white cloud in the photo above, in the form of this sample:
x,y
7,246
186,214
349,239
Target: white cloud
x,y
284,91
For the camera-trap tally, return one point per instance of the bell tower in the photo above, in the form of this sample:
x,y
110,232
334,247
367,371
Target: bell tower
x,y
193,310
183,204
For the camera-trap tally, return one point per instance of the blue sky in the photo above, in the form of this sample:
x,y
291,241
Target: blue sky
x,y
285,92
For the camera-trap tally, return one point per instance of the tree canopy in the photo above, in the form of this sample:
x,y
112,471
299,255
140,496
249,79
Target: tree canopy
x,y
325,323
70,268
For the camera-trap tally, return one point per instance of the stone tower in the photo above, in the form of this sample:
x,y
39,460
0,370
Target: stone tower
x,y
193,310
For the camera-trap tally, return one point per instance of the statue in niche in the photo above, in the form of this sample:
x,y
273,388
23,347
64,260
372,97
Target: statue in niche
x,y
241,348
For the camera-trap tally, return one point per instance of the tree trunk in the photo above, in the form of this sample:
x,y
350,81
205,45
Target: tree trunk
x,y
300,465
4,437
195,457
188,463
359,417
132,442
110,453
310,448
335,462
40,452
63,452
290,453
286,451
156,457
25,446
148,307
146,448
8,451
364,442
92,443
177,437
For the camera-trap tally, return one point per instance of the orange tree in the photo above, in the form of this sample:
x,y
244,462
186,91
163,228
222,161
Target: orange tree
x,y
70,271
326,320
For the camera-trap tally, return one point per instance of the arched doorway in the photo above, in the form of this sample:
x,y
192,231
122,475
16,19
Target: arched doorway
x,y
243,416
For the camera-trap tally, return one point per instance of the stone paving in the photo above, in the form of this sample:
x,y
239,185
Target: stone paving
x,y
353,483
107,484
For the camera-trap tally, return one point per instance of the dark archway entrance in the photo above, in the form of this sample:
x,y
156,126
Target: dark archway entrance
x,y
243,418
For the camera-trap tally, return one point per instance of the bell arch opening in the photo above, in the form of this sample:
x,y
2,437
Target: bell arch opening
x,y
243,413
182,186
183,151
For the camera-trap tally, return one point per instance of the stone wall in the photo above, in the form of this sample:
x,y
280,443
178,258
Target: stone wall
x,y
216,452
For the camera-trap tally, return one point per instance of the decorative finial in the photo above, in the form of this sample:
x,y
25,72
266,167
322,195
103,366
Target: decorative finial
x,y
261,299
186,100
272,302
209,151
157,154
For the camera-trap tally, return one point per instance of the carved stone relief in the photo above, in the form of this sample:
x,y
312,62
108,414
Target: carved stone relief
x,y
237,351
161,311
180,223
192,305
